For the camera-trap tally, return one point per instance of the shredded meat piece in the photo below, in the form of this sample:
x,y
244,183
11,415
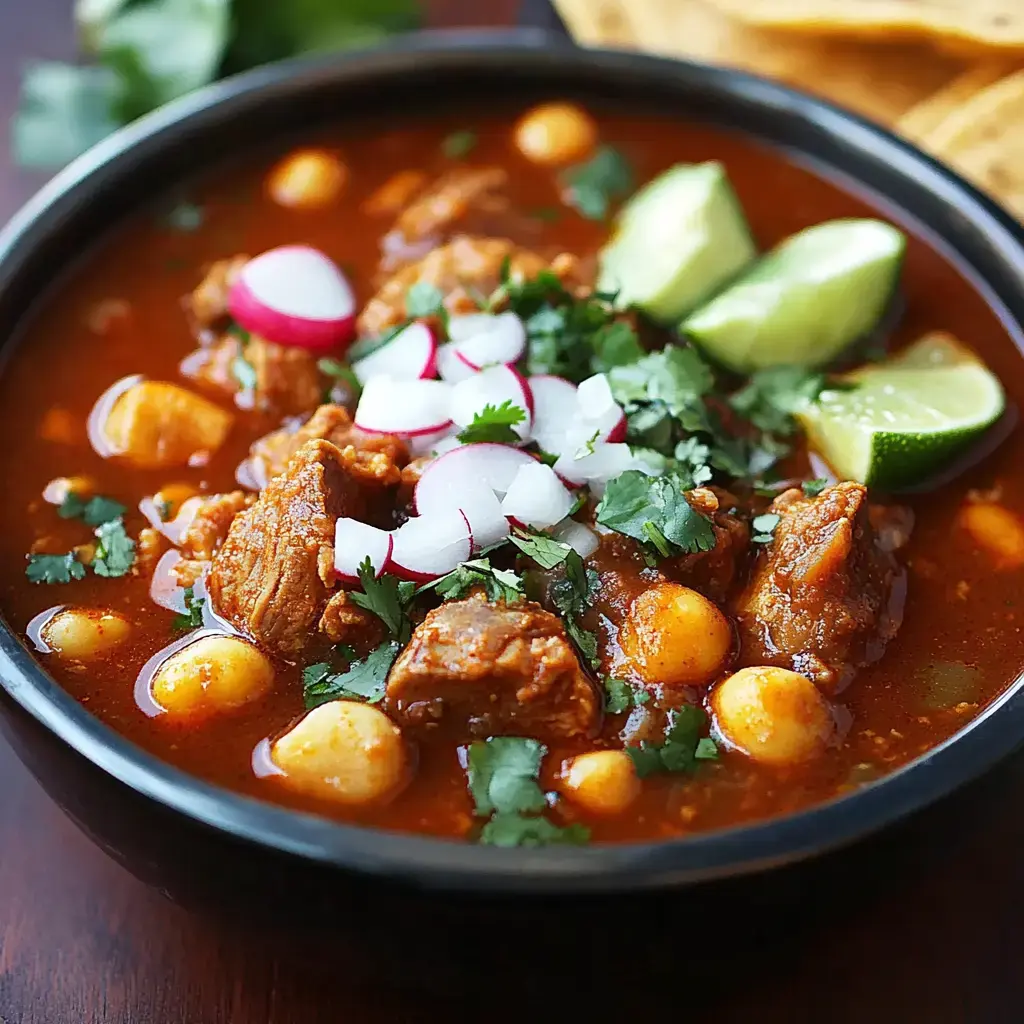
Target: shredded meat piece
x,y
208,302
271,576
288,382
150,545
826,596
270,454
483,669
713,573
346,623
447,200
209,527
456,269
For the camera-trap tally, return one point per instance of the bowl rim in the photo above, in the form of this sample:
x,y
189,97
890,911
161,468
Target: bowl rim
x,y
455,865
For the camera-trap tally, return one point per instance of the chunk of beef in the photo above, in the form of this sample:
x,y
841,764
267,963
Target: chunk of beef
x,y
714,573
208,302
270,454
287,380
826,596
271,576
344,622
483,669
206,533
450,198
457,269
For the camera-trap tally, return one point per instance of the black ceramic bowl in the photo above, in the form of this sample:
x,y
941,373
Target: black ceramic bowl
x,y
198,842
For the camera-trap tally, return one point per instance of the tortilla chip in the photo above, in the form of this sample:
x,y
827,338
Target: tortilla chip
x,y
984,140
918,122
881,82
973,23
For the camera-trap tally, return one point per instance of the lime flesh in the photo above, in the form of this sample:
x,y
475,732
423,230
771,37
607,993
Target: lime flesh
x,y
905,418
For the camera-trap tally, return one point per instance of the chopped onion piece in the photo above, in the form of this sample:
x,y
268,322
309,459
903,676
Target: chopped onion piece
x,y
446,480
537,497
451,367
580,537
606,461
487,522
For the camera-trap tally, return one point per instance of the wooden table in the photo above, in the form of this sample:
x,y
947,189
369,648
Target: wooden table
x,y
81,942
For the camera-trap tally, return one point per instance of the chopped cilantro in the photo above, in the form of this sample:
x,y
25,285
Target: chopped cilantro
x,y
587,448
387,598
342,373
545,551
459,144
193,617
652,509
683,745
498,584
494,424
185,217
502,775
236,330
115,552
763,527
424,299
812,488
770,397
363,680
244,372
591,187
54,568
94,512
163,509
620,695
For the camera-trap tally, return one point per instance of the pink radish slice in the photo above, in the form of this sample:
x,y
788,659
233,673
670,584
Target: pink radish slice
x,y
554,404
536,497
618,433
409,407
430,545
447,479
294,295
599,410
580,537
445,444
426,444
493,386
606,462
487,522
410,355
488,339
450,367
354,542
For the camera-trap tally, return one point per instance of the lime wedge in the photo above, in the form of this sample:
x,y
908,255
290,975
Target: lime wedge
x,y
907,417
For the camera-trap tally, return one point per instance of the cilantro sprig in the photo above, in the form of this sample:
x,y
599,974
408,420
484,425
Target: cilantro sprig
x,y
591,187
115,550
94,512
494,424
620,695
502,774
54,568
499,584
364,679
388,598
683,746
193,616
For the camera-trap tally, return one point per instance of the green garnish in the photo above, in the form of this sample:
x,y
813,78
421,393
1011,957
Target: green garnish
x,y
459,144
682,747
499,584
115,552
244,372
424,299
163,509
654,511
193,617
342,373
620,695
502,775
812,488
770,398
545,551
363,680
763,527
387,597
185,217
494,424
93,512
591,187
54,568
587,448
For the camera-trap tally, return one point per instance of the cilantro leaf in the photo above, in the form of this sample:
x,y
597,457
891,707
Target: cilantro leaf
x,y
545,551
459,144
424,299
614,344
363,680
494,424
763,527
812,488
633,500
193,617
342,373
245,373
572,596
93,512
499,584
771,397
587,448
502,772
591,187
518,830
115,552
54,568
387,598
620,695
682,747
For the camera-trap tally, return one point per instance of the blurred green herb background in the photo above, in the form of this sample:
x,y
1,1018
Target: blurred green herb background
x,y
140,54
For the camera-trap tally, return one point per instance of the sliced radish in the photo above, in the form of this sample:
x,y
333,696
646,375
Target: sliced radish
x,y
536,497
451,367
426,444
483,339
580,537
409,407
606,461
431,545
599,410
445,444
487,522
294,295
554,404
354,542
493,386
447,479
410,355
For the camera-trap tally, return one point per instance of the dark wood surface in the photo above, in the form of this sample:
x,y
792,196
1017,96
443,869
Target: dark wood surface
x,y
82,942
